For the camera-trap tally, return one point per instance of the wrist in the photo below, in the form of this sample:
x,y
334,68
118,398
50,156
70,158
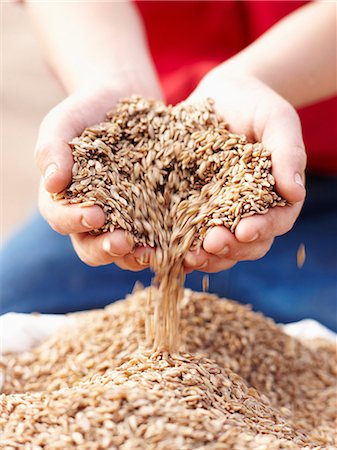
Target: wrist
x,y
239,66
123,81
225,75
241,71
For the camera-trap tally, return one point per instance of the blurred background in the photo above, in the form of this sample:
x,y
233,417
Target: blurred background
x,y
28,91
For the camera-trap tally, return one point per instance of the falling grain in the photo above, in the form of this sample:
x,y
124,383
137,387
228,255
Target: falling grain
x,y
301,256
166,174
205,283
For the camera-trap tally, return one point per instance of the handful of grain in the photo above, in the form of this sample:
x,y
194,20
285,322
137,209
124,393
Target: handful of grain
x,y
166,174
239,383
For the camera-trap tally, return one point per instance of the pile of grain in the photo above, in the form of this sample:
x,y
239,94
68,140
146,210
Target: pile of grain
x,y
166,174
239,383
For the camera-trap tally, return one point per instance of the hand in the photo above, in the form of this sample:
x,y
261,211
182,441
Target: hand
x,y
54,159
252,108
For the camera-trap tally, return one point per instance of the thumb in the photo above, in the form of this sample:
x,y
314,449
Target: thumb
x,y
282,135
66,121
53,155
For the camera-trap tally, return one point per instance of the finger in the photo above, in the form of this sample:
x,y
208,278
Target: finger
x,y
129,262
53,155
282,135
68,219
277,221
143,256
66,121
103,249
222,243
205,262
217,264
138,260
217,240
195,259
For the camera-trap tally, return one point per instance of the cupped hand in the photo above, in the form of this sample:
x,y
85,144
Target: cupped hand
x,y
250,107
54,159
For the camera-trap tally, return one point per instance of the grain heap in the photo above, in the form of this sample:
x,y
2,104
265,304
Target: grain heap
x,y
239,383
166,174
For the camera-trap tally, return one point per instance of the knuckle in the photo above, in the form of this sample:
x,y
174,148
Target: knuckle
x,y
71,222
123,265
300,156
39,155
227,265
84,257
88,261
54,224
261,251
214,267
285,109
57,227
41,147
95,258
269,225
286,228
91,263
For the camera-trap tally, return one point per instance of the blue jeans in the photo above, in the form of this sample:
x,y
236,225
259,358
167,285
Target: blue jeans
x,y
41,272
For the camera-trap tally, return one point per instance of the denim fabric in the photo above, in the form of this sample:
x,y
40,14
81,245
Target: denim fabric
x,y
41,272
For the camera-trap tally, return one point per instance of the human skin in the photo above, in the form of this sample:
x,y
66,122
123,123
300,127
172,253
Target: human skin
x,y
291,65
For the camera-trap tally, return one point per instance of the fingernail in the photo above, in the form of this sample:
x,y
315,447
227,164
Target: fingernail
x,y
298,180
224,251
254,237
50,170
85,223
106,245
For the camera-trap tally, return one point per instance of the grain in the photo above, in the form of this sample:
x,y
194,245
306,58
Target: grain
x,y
301,256
238,383
166,175
205,283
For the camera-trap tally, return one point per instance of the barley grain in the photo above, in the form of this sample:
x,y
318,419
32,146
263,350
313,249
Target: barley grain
x,y
238,383
301,256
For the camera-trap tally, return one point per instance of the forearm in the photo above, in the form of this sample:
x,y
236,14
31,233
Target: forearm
x,y
296,57
92,43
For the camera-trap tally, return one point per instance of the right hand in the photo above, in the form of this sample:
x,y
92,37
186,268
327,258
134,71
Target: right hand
x,y
54,159
255,110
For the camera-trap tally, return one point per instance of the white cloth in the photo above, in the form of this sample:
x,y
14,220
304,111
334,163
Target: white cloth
x,y
22,332
309,329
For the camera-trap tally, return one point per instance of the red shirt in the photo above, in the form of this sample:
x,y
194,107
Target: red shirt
x,y
188,38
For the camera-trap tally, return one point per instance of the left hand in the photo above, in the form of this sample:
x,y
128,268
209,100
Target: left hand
x,y
65,121
252,108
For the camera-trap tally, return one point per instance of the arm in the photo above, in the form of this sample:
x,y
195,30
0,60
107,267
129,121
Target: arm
x,y
295,61
95,43
296,57
98,51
